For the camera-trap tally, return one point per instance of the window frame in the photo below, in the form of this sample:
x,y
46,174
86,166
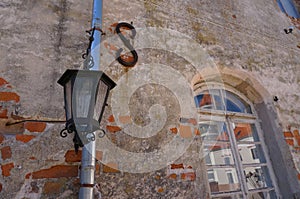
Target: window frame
x,y
237,117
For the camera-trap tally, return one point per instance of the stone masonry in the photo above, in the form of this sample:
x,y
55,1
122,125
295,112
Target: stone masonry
x,y
153,101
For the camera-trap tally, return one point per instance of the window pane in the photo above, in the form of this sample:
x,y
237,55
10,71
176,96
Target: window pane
x,y
225,180
210,99
204,100
257,177
213,131
263,195
219,153
245,133
251,153
236,104
238,196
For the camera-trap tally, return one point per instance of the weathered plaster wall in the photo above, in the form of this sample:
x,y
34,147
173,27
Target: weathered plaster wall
x,y
40,39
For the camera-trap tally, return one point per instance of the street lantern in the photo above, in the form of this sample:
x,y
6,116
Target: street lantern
x,y
85,96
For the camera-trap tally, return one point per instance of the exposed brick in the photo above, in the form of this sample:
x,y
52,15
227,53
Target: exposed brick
x,y
197,132
35,126
298,140
9,96
188,176
113,129
288,134
110,168
174,130
0,187
97,169
6,152
3,81
52,188
111,118
160,190
99,155
296,133
55,172
32,158
177,166
193,121
2,138
71,156
185,131
172,176
3,113
290,142
125,119
24,138
6,168
298,176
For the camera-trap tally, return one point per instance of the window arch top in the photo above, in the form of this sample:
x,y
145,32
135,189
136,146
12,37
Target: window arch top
x,y
224,100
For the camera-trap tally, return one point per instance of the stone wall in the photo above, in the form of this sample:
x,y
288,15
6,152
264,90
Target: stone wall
x,y
40,39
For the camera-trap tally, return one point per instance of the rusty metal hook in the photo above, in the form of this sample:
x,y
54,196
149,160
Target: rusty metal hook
x,y
127,44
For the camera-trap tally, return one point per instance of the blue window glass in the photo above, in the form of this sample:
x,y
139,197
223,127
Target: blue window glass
x,y
214,99
288,7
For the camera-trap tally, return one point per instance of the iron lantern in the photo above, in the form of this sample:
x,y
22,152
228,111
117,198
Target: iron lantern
x,y
85,97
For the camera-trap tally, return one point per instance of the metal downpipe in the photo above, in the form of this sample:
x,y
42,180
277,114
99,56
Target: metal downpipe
x,y
87,174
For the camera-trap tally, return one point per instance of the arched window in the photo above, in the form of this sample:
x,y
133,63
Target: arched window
x,y
235,154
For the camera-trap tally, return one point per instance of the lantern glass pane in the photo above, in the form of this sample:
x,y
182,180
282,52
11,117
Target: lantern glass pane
x,y
83,90
100,100
68,100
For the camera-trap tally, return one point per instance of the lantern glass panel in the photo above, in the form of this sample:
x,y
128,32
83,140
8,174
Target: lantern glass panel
x,y
82,95
101,97
68,100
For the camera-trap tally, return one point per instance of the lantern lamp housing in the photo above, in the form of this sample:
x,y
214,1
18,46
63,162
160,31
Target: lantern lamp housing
x,y
85,97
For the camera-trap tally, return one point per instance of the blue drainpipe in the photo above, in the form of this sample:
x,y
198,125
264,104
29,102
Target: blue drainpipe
x,y
87,174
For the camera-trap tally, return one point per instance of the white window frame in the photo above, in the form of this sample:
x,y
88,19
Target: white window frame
x,y
235,117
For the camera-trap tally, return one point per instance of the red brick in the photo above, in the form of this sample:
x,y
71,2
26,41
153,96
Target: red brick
x,y
296,133
99,155
160,190
0,187
9,96
58,171
52,188
193,121
6,152
125,119
113,129
185,131
7,168
3,113
197,132
173,176
35,126
188,176
2,138
298,140
290,142
177,166
24,138
110,168
71,156
174,130
288,134
298,176
111,119
3,81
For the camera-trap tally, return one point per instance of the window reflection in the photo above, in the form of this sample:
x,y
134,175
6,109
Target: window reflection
x,y
221,100
225,180
257,177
